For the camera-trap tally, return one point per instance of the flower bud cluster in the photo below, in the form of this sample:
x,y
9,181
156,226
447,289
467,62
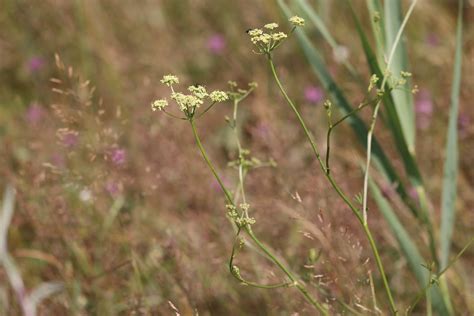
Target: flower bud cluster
x,y
268,38
242,219
187,103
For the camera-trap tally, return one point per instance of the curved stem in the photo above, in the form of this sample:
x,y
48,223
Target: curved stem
x,y
374,116
337,188
342,119
297,284
209,163
206,110
249,231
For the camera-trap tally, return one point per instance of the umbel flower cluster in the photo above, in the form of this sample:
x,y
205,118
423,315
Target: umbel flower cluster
x,y
190,102
269,38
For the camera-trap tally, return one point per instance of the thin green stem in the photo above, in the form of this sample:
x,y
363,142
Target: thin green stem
x,y
206,110
209,163
249,231
296,283
376,110
333,125
336,187
438,276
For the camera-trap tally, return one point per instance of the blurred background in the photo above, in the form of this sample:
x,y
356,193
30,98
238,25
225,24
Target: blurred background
x,y
115,201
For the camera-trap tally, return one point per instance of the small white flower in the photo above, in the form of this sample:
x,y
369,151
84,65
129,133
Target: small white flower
x,y
279,36
297,21
85,195
198,91
271,26
255,32
159,104
186,102
218,96
169,80
341,53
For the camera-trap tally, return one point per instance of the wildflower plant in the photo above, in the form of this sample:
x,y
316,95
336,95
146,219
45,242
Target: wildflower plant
x,y
380,86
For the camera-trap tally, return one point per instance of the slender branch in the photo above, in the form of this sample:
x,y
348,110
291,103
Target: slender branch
x,y
209,163
342,119
206,110
376,110
336,187
249,231
437,276
174,116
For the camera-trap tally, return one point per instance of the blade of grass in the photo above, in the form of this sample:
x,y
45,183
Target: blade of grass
x,y
408,247
377,22
392,119
321,27
403,99
448,200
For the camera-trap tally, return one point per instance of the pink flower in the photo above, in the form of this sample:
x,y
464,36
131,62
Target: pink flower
x,y
118,156
68,138
35,64
463,124
313,94
424,109
57,159
216,44
432,39
34,114
112,188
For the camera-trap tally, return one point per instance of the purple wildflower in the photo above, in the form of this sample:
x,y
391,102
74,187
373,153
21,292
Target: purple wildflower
x,y
313,94
69,138
216,44
463,124
35,64
34,114
118,156
57,159
112,188
432,39
424,109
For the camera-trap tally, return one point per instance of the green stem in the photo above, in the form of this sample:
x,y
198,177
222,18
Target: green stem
x,y
209,163
337,188
249,231
297,284
342,119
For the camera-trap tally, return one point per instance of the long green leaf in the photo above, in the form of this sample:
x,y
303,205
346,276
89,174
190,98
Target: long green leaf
x,y
377,22
451,163
408,247
403,98
321,27
319,68
411,167
392,119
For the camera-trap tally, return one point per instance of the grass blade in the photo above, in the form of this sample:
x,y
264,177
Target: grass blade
x,y
403,99
321,27
448,200
392,118
377,22
408,247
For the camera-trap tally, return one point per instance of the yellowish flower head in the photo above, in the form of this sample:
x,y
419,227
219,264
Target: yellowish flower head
x,y
169,80
271,26
159,104
279,36
255,32
218,96
297,21
198,91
